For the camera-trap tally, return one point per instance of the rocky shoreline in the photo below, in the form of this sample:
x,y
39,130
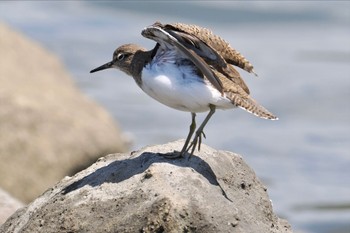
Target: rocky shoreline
x,y
214,191
50,131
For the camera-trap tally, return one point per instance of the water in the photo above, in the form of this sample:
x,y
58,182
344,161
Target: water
x,y
301,52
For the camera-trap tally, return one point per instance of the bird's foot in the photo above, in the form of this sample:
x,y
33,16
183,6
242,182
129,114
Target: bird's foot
x,y
172,155
197,141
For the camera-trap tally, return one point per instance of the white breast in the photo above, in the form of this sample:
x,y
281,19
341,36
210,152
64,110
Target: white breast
x,y
180,88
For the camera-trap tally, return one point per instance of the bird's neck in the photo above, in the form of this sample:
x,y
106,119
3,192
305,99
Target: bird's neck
x,y
140,60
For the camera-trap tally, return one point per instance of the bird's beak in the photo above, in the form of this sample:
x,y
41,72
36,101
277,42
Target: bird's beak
x,y
103,67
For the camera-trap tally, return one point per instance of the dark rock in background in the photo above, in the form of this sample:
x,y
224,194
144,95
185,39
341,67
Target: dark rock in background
x,y
48,128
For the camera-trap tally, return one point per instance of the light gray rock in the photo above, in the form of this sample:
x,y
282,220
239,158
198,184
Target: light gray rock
x,y
214,191
48,129
8,205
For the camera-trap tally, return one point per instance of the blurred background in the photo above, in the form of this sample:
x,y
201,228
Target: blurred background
x,y
301,52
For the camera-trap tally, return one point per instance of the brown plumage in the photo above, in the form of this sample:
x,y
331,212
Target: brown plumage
x,y
219,57
225,53
191,61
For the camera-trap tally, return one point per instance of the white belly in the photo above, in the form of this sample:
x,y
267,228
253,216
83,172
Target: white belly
x,y
178,87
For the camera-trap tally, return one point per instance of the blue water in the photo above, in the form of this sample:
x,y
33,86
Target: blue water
x,y
301,51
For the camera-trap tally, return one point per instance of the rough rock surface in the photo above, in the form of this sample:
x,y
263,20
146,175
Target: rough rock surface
x,y
8,205
48,129
214,191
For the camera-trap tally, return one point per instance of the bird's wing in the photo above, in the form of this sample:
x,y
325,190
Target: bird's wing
x,y
157,33
217,44
214,50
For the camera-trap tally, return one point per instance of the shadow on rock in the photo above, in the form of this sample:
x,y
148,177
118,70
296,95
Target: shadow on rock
x,y
121,170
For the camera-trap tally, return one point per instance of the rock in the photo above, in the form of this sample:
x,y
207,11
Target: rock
x,y
48,129
214,191
8,205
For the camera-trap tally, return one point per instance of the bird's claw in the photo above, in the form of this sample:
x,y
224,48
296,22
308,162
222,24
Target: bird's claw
x,y
197,141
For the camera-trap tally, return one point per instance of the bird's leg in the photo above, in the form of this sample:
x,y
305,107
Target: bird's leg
x,y
198,137
184,149
190,133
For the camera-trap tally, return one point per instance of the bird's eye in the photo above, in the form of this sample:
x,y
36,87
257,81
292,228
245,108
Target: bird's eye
x,y
120,56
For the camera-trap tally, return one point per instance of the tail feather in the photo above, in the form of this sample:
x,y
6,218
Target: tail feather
x,y
250,105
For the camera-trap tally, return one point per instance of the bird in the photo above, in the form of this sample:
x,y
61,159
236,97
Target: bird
x,y
190,69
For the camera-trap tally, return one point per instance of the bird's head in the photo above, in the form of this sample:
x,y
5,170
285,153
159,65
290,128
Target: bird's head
x,y
124,58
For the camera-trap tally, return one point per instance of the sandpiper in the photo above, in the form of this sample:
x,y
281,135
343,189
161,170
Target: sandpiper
x,y
189,69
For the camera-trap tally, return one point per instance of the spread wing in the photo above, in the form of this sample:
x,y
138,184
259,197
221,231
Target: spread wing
x,y
229,54
214,57
155,32
215,51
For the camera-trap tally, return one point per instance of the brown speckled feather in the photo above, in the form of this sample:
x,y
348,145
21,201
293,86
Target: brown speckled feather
x,y
209,53
231,55
242,99
221,54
